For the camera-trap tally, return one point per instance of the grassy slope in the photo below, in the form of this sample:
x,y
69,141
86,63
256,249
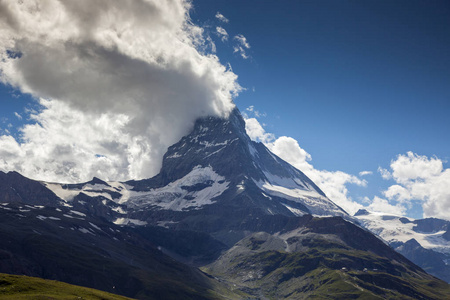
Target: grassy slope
x,y
316,273
24,287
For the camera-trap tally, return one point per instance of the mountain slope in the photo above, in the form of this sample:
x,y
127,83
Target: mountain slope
x,y
324,258
70,246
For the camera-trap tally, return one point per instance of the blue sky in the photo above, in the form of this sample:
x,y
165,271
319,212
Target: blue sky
x,y
356,83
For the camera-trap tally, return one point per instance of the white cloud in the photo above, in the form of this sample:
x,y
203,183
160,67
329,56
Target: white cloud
x,y
365,173
412,166
241,52
223,34
289,150
242,44
211,44
221,17
334,184
385,174
251,109
74,144
242,40
398,193
139,67
18,115
383,206
256,132
419,178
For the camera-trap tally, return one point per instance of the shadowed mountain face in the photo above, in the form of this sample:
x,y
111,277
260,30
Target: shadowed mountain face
x,y
220,201
70,246
17,188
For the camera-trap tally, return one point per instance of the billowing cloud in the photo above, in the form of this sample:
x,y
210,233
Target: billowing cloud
x,y
424,179
333,183
221,17
409,167
223,34
130,76
256,132
384,206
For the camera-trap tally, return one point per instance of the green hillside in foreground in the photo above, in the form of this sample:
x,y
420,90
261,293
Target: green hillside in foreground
x,y
24,287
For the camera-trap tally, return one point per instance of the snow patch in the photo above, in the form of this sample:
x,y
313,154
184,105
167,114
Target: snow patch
x,y
34,206
289,182
119,209
175,155
294,189
126,221
270,198
58,190
92,190
124,191
95,226
252,149
196,189
297,212
78,213
165,224
84,230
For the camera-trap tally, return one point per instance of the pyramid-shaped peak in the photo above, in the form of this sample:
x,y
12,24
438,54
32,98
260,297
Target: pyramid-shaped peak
x,y
221,148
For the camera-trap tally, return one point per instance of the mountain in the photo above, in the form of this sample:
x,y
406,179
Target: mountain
x,y
323,258
422,241
221,203
61,243
214,180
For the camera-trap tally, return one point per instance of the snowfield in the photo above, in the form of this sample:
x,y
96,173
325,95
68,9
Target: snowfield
x,y
392,229
196,189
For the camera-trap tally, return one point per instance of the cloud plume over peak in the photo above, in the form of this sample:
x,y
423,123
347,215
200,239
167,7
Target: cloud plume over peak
x,y
139,66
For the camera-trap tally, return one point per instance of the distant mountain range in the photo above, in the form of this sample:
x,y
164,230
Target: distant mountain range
x,y
426,242
224,219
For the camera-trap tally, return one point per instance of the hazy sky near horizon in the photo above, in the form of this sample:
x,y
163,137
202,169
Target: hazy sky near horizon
x,y
354,93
